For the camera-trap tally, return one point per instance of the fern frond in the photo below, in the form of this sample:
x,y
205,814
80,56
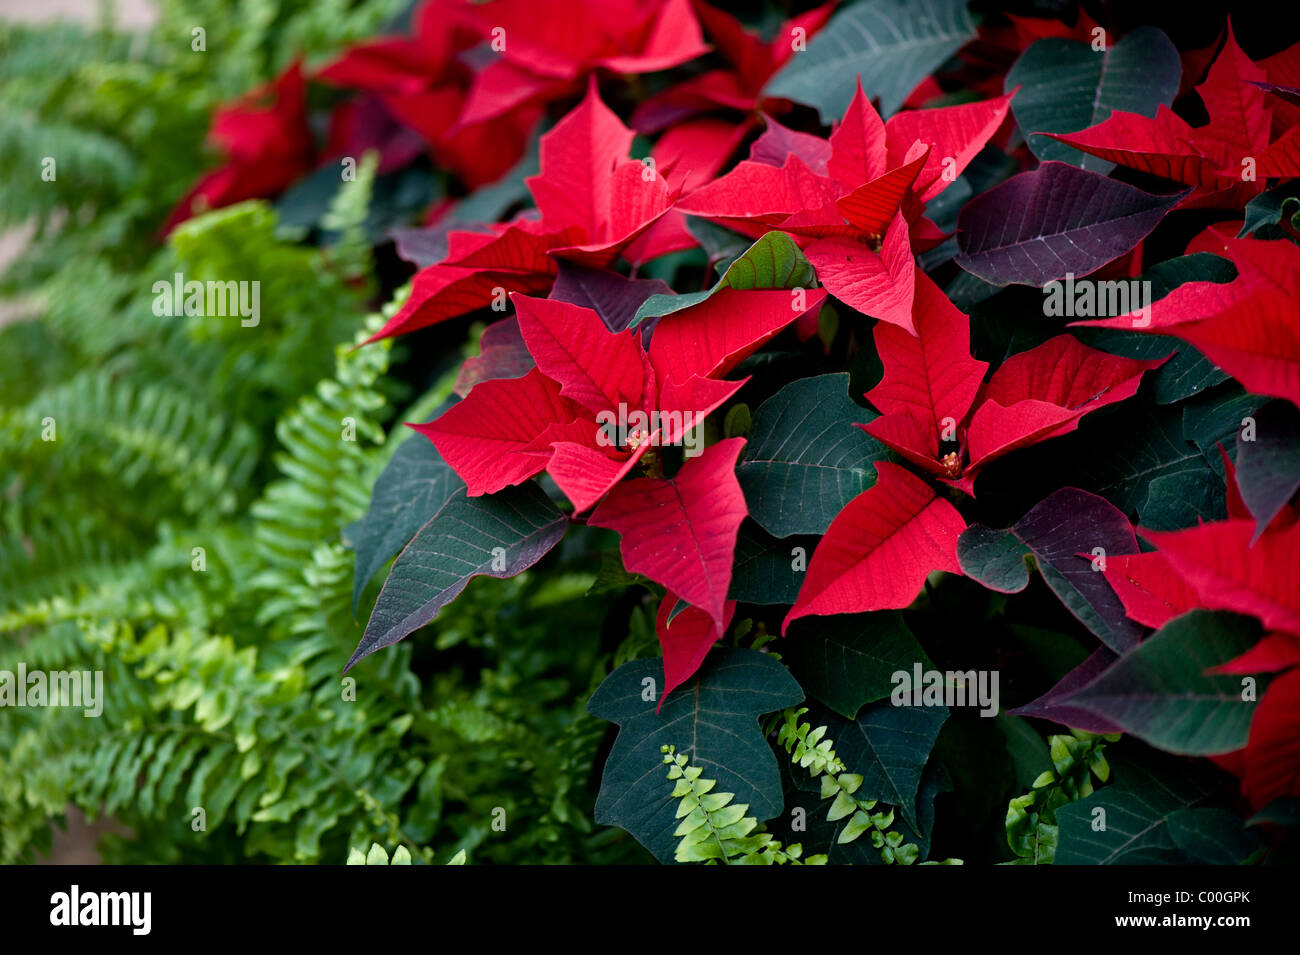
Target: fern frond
x,y
809,749
714,830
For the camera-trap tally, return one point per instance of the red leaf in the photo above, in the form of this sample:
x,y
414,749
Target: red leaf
x,y
953,133
1272,758
1152,594
594,367
1274,653
681,532
1228,573
575,186
880,284
586,474
1162,146
878,551
673,38
858,152
484,438
686,640
442,292
501,87
1249,327
1042,393
715,335
767,194
928,377
1239,118
871,207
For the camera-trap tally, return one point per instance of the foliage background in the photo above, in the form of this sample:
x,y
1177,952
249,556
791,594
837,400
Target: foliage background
x,y
182,435
225,683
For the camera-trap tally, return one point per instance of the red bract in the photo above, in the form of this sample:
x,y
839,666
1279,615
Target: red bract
x,y
1249,327
940,415
507,430
751,63
594,202
423,83
543,56
858,205
681,531
686,640
267,146
1227,160
879,550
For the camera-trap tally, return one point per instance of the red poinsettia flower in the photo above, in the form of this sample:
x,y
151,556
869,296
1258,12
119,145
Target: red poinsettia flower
x,y
856,201
538,57
940,414
423,82
1227,159
597,404
752,62
267,145
594,202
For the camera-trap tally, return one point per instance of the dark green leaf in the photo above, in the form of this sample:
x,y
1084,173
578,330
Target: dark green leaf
x,y
413,486
891,44
713,718
1066,86
1160,692
1133,828
806,459
497,535
764,570
848,660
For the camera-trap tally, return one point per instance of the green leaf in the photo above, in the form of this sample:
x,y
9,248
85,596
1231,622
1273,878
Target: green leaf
x,y
891,44
848,660
713,719
806,459
1119,454
1268,468
1211,836
1159,691
498,535
1134,825
413,487
773,262
764,569
1270,209
1066,86
995,557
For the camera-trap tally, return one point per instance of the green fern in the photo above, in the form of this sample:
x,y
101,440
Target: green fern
x,y
378,855
715,830
1032,832
810,750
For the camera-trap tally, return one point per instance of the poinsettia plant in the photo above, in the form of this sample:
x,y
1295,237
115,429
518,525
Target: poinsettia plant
x,y
853,344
